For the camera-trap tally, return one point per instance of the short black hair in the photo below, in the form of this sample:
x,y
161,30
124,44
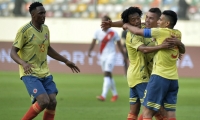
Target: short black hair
x,y
172,16
107,18
34,5
129,11
157,11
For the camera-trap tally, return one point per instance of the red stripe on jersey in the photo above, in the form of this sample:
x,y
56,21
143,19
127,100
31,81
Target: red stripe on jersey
x,y
105,40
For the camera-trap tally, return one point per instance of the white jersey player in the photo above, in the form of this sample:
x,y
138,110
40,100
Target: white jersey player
x,y
107,39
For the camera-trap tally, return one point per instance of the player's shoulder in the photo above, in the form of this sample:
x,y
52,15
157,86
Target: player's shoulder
x,y
177,31
44,25
114,31
98,30
25,27
160,30
111,29
133,36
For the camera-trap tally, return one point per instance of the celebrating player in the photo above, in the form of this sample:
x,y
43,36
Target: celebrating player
x,y
30,50
163,87
138,74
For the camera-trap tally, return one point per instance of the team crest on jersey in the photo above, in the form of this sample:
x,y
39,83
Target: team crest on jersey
x,y
35,90
46,36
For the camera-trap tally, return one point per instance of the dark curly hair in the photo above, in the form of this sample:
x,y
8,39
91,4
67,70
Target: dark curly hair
x,y
34,5
129,11
172,16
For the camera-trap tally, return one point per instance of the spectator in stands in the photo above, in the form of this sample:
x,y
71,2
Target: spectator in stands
x,y
17,11
182,10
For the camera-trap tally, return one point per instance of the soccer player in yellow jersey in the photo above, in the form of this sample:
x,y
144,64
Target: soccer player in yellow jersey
x,y
163,86
30,50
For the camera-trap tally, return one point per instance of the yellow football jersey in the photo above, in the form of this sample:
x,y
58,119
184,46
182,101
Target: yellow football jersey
x,y
137,70
149,56
33,45
165,59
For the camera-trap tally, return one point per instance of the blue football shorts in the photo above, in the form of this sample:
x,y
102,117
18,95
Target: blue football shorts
x,y
161,92
37,86
137,93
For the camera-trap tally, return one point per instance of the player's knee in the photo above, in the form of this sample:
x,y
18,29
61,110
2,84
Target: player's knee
x,y
148,113
107,74
44,102
135,109
53,103
171,114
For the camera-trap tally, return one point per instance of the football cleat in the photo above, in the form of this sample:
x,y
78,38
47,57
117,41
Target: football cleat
x,y
114,98
101,98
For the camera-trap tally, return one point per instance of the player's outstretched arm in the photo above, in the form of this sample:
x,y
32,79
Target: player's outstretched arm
x,y
108,24
52,53
26,66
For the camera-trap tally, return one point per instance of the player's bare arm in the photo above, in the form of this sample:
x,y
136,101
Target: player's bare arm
x,y
91,47
134,30
108,24
181,47
13,54
52,53
176,42
121,50
148,49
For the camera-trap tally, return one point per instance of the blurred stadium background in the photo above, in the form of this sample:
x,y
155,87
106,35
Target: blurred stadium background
x,y
72,24
95,8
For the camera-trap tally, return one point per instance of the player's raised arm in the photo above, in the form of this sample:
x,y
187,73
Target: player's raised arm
x,y
109,24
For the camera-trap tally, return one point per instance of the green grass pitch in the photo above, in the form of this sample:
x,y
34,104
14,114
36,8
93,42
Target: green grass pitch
x,y
77,98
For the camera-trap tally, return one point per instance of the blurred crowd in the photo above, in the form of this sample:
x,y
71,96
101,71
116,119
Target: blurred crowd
x,y
186,9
